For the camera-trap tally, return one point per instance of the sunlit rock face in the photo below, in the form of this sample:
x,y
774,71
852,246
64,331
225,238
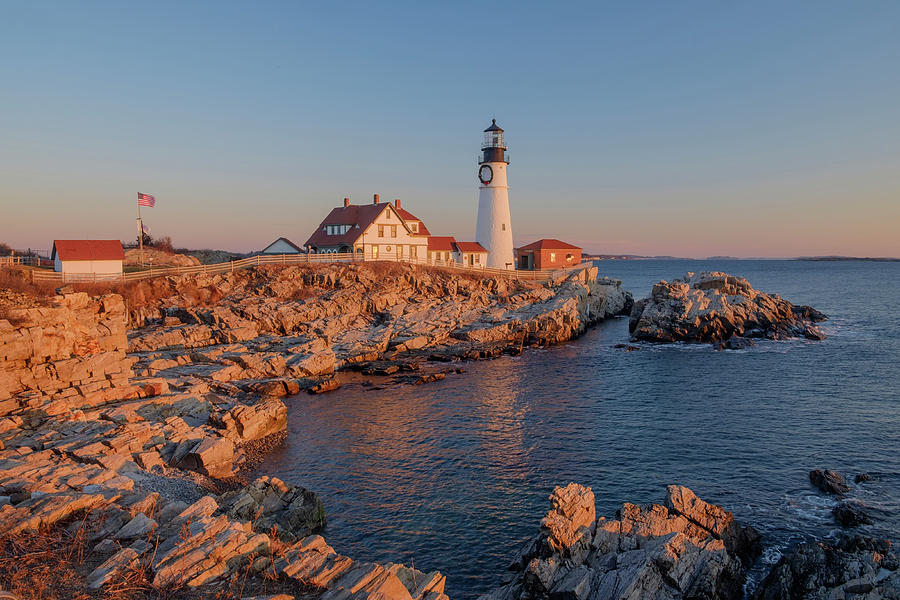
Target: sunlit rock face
x,y
686,548
713,307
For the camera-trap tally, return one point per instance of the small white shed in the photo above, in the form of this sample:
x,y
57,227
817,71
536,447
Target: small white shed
x,y
282,246
89,257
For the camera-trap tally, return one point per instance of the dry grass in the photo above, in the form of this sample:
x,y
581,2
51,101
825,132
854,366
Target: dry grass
x,y
53,564
43,565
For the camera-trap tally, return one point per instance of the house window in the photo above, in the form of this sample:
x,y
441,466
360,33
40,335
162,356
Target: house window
x,y
381,231
393,231
375,251
400,251
570,257
553,257
478,258
413,251
414,227
336,229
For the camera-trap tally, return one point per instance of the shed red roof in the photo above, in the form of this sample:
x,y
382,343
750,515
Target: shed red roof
x,y
440,243
549,244
87,250
471,247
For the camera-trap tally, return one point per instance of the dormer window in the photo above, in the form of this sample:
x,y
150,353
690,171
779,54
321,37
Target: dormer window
x,y
337,229
414,227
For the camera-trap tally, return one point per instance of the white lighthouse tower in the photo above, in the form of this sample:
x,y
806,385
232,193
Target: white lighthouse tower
x,y
494,231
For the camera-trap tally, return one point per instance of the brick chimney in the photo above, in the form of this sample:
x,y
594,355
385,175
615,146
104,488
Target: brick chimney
x,y
346,201
397,202
376,199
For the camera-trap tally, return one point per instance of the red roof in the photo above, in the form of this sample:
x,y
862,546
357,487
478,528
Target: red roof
x,y
440,243
471,247
408,216
87,250
549,244
362,215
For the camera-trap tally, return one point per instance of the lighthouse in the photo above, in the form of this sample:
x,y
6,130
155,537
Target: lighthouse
x,y
494,230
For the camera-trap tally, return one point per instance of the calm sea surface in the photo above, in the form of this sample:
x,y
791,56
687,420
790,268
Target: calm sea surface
x,y
455,475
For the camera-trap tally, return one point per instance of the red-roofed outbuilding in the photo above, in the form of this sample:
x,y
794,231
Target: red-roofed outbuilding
x,y
93,257
547,254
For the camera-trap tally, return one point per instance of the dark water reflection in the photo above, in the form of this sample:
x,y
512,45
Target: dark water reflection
x,y
455,475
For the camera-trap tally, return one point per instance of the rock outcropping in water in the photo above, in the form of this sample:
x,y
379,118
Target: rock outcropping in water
x,y
687,548
856,567
714,307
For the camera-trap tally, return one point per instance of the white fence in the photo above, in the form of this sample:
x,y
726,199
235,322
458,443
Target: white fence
x,y
40,275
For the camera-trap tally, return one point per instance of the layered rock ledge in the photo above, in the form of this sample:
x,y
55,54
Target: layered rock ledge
x,y
716,307
686,548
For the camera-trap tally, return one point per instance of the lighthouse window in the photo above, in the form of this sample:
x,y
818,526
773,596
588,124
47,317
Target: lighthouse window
x,y
503,226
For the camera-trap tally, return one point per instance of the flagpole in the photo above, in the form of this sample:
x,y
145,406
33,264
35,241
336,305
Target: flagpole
x,y
140,234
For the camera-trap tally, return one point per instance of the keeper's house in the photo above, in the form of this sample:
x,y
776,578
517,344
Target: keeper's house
x,y
94,257
547,254
377,231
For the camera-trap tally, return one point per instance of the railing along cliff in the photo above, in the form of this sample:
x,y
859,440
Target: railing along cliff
x,y
39,275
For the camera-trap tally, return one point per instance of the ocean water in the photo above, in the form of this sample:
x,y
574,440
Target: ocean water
x,y
455,475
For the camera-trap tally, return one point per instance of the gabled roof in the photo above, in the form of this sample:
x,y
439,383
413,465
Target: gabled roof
x,y
549,244
286,241
358,216
408,216
87,250
441,243
471,247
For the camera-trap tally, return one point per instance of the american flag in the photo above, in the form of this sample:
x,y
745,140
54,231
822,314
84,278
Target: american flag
x,y
146,200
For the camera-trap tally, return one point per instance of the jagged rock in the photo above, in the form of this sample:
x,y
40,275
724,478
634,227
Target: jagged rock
x,y
686,549
327,385
213,456
139,526
257,421
714,307
113,567
850,514
862,478
270,502
830,482
856,566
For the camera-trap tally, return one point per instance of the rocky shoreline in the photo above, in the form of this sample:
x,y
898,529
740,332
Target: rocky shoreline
x,y
127,427
126,423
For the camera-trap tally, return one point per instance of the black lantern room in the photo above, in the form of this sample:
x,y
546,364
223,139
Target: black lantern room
x,y
494,148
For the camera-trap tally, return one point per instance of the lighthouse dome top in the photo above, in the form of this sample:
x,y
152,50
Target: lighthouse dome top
x,y
493,137
494,126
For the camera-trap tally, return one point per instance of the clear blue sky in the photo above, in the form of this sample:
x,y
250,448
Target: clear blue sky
x,y
752,129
